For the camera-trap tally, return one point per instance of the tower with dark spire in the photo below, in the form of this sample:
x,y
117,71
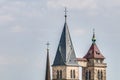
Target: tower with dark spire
x,y
95,68
65,66
47,76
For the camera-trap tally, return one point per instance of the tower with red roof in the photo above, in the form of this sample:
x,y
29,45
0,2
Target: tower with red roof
x,y
95,68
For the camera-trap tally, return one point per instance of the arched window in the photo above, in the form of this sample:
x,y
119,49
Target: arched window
x,y
73,73
57,74
60,74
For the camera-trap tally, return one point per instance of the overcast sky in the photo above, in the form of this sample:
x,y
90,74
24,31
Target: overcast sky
x,y
27,25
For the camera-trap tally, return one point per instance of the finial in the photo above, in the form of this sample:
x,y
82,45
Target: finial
x,y
93,38
65,14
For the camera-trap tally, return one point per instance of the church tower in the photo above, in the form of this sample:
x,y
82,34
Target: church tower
x,y
95,68
65,66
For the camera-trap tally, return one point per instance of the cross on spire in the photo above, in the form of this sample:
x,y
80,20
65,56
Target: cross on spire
x,y
65,14
66,11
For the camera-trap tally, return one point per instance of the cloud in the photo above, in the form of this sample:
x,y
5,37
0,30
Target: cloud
x,y
21,9
6,18
79,31
89,7
17,29
7,60
74,4
112,3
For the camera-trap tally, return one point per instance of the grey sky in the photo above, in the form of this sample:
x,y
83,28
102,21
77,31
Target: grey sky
x,y
27,25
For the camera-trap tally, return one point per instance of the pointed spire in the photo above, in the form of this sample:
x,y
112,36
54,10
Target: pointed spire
x,y
65,54
93,38
66,14
47,76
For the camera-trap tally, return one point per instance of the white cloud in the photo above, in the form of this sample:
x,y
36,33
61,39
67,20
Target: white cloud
x,y
17,29
6,60
6,18
89,7
112,3
79,31
21,8
76,4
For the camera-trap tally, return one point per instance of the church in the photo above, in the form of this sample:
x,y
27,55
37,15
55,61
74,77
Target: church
x,y
66,65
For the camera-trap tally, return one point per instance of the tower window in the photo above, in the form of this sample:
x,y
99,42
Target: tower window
x,y
100,75
88,75
57,74
60,74
73,73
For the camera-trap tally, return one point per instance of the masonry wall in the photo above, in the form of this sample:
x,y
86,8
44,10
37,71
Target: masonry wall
x,y
66,72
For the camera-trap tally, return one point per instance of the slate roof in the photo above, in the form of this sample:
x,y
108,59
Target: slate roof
x,y
94,52
65,54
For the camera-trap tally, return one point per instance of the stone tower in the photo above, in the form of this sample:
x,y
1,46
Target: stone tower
x,y
65,66
95,68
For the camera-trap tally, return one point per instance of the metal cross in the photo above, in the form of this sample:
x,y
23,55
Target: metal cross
x,y
66,11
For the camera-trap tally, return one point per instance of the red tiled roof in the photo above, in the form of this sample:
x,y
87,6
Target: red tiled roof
x,y
81,59
94,52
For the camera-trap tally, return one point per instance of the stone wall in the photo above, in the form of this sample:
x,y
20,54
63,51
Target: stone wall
x,y
66,75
